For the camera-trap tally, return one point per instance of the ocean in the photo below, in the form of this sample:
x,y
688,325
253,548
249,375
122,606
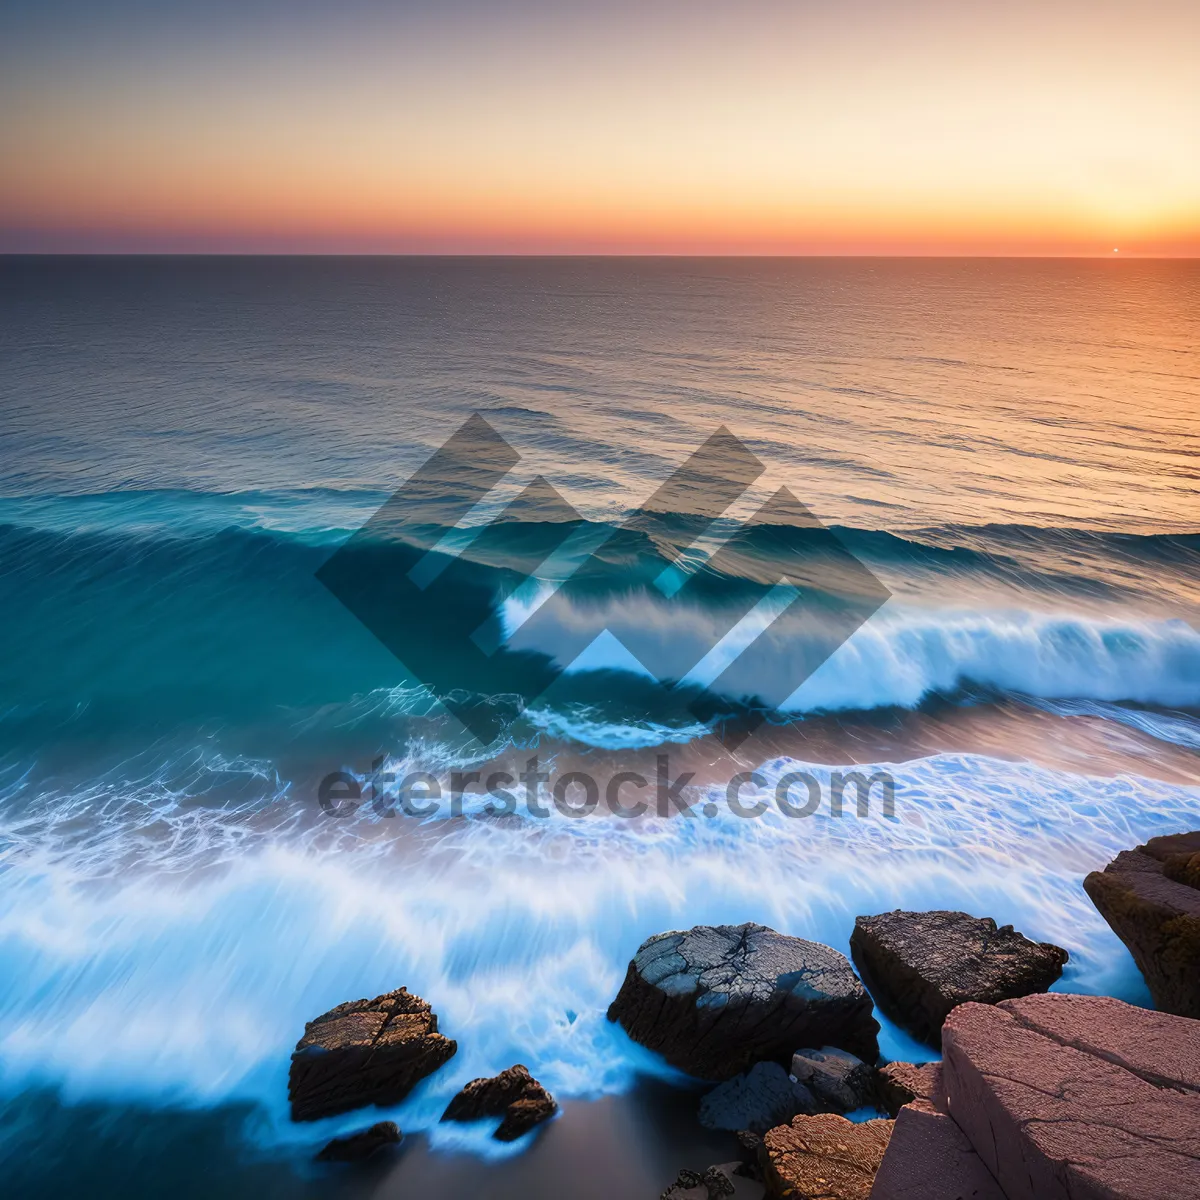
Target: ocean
x,y
1008,449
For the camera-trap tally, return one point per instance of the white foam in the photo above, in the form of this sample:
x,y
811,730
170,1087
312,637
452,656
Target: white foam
x,y
904,653
186,977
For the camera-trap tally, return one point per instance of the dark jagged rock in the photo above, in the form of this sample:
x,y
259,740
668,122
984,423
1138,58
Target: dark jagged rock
x,y
513,1094
716,999
1151,898
357,1146
751,1164
716,1183
839,1080
365,1052
757,1101
929,1158
825,1157
902,1083
919,965
1077,1097
522,1115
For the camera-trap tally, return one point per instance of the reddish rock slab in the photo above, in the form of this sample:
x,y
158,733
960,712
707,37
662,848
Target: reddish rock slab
x,y
716,999
929,1158
1158,1047
919,965
513,1094
365,1052
823,1157
900,1083
1150,897
1054,1094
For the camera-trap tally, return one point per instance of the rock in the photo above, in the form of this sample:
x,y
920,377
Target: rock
x,y
717,999
929,1158
513,1094
713,1184
1077,1097
522,1115
1151,898
899,1083
757,1101
751,1164
920,965
836,1077
825,1157
725,1179
365,1052
1183,868
357,1146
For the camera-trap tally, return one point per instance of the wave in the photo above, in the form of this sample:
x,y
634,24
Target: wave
x,y
147,628
901,658
903,655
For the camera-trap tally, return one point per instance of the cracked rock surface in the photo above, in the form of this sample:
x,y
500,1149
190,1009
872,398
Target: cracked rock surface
x,y
715,999
1151,898
919,965
930,1158
513,1094
1077,1097
825,1157
365,1052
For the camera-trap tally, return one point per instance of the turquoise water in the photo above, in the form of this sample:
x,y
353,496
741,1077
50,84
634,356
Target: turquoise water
x,y
1009,447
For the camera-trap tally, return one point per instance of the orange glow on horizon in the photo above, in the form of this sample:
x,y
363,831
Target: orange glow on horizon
x,y
808,130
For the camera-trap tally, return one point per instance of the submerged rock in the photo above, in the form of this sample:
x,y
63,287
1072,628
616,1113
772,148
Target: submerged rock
x,y
757,1101
1077,1097
825,1157
365,1052
1151,898
355,1147
716,999
839,1079
513,1094
920,965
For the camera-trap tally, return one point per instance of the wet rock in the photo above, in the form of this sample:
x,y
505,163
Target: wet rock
x,y
751,1164
838,1079
716,999
919,965
522,1115
825,1157
1077,1097
513,1094
757,1101
716,1183
357,1146
365,1052
900,1083
929,1158
1151,898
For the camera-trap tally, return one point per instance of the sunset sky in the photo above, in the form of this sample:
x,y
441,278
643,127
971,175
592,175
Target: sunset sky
x,y
810,127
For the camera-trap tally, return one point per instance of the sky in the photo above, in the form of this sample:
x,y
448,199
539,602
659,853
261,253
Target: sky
x,y
526,126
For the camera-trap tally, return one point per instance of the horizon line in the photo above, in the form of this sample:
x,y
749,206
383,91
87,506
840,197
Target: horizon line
x,y
1097,257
